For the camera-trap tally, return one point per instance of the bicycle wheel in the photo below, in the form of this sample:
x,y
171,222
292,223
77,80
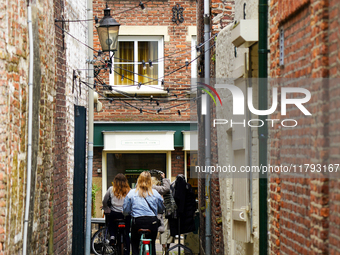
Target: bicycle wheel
x,y
100,245
97,241
108,250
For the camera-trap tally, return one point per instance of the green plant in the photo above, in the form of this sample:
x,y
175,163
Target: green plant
x,y
95,189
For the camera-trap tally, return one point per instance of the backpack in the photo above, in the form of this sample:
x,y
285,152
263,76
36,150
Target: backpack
x,y
170,205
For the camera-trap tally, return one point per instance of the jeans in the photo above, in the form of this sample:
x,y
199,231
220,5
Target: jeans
x,y
113,228
145,222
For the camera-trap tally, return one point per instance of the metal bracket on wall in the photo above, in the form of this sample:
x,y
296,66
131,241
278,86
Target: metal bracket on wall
x,y
177,14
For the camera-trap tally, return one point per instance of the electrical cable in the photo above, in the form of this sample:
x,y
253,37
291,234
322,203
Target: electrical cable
x,y
125,59
76,38
181,67
135,107
85,20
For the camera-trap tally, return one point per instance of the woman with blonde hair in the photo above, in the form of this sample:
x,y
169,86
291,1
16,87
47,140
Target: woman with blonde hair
x,y
143,203
113,208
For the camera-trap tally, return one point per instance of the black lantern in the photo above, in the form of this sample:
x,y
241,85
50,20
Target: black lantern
x,y
107,30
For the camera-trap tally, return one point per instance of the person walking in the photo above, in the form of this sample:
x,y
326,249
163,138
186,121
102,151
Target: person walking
x,y
113,208
143,203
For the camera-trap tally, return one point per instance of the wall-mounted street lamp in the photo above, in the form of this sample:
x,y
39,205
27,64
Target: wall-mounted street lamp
x,y
107,30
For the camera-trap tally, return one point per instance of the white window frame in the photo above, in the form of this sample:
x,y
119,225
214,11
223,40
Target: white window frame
x,y
143,89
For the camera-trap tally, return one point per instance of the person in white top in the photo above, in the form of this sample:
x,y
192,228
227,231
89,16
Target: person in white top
x,y
113,208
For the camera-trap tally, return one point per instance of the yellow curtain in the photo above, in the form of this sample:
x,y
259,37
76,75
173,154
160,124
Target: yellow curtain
x,y
124,54
148,51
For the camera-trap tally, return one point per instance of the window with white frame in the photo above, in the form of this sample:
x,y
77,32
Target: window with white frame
x,y
139,59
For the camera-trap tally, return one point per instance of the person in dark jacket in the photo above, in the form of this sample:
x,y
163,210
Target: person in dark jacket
x,y
186,207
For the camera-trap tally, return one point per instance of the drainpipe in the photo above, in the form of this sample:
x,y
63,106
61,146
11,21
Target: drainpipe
x,y
207,123
90,128
263,131
30,118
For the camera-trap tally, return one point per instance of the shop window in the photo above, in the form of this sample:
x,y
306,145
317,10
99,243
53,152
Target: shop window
x,y
132,164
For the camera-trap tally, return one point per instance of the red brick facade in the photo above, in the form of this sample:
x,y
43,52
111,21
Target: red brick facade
x,y
176,51
334,120
300,207
177,160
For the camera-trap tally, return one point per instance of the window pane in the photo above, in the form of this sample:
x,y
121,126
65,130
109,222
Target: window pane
x,y
124,163
127,70
124,52
149,72
147,50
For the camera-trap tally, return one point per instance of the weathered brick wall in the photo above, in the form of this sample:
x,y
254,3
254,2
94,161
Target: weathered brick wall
x,y
60,197
13,64
300,208
52,156
14,102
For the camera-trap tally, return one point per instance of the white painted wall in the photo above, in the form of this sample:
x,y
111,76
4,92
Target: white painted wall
x,y
76,55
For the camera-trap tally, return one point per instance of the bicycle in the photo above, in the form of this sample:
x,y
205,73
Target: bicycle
x,y
100,243
101,240
145,244
120,236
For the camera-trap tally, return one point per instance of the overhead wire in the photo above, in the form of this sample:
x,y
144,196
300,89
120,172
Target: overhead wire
x,y
135,107
175,53
150,63
85,20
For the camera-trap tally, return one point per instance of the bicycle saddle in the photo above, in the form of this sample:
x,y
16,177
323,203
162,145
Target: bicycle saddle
x,y
144,230
119,220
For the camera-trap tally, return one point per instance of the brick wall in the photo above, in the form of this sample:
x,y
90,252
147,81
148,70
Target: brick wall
x,y
156,13
177,164
60,173
300,208
334,72
52,159
14,103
